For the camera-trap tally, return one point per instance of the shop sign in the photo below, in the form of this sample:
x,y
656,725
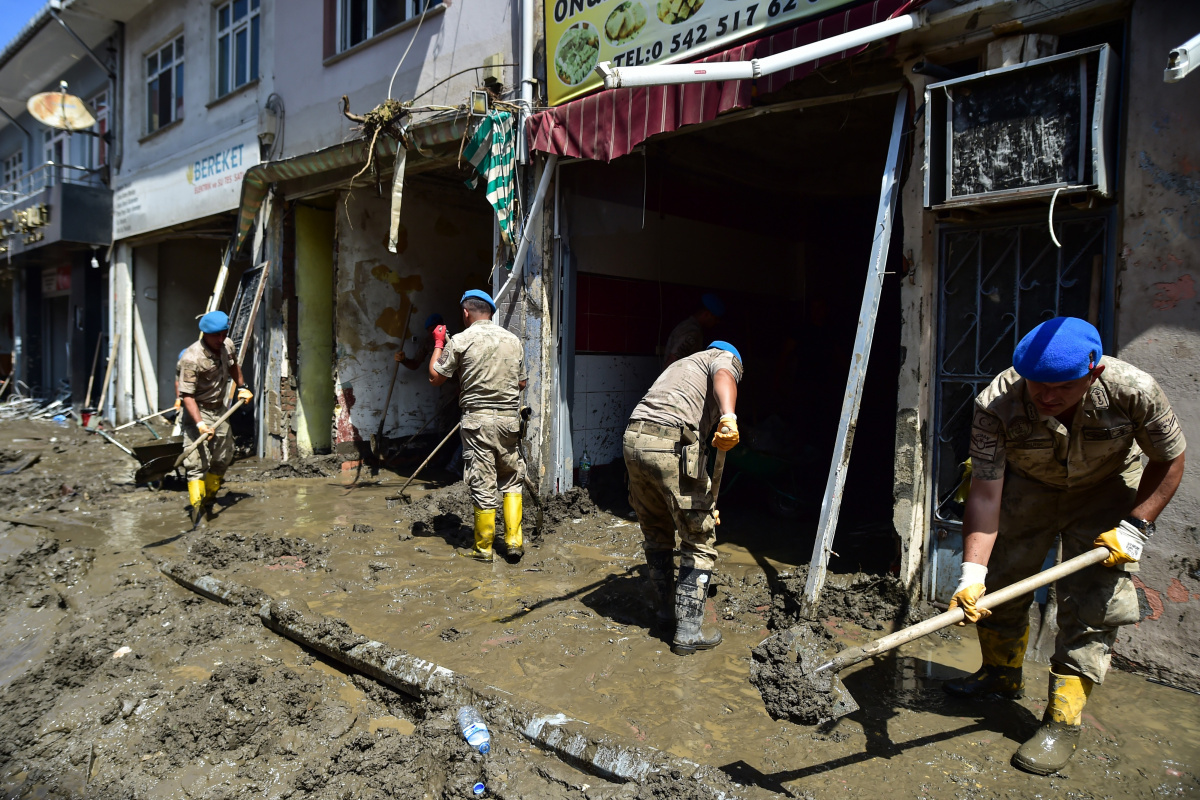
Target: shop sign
x,y
28,223
582,33
203,181
56,281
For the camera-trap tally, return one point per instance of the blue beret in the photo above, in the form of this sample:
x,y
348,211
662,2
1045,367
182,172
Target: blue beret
x,y
433,319
1060,349
479,295
214,322
727,347
713,304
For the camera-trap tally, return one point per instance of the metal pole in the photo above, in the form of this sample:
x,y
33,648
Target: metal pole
x,y
832,502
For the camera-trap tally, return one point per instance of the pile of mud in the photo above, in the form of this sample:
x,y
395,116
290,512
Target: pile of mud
x,y
72,468
782,665
451,507
311,467
216,550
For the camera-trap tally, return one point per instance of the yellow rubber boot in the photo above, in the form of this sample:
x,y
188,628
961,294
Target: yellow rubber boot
x,y
1000,675
514,539
1054,743
196,492
485,532
212,485
196,495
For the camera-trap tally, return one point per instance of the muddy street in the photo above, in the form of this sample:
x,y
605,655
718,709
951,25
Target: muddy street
x,y
118,682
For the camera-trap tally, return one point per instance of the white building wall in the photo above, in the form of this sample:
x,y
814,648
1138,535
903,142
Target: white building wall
x,y
452,37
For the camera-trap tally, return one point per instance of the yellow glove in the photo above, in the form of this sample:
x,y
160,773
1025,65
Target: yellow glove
x,y
245,394
726,436
203,427
1125,543
970,589
178,403
716,517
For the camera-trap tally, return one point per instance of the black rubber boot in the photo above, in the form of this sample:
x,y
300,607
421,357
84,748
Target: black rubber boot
x,y
662,578
989,683
690,593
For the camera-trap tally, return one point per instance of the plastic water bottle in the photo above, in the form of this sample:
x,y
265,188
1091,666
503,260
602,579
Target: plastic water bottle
x,y
585,469
473,729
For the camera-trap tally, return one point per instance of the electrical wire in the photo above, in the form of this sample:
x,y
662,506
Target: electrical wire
x,y
416,30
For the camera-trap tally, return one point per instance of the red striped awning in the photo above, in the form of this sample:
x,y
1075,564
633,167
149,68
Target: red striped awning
x,y
609,124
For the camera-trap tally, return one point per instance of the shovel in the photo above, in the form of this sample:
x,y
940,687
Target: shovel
x,y
428,458
377,439
843,703
158,469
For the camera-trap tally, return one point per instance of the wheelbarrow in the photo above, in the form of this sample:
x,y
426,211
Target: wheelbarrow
x,y
147,452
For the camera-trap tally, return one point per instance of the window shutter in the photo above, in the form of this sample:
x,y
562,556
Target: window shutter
x,y
330,31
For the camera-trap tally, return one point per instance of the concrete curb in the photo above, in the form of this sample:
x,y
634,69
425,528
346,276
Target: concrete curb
x,y
576,742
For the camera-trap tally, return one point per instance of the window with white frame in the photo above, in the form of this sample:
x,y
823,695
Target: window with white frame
x,y
164,85
99,147
237,44
359,20
14,167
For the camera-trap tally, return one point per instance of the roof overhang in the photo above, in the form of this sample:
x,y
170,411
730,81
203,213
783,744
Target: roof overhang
x,y
44,51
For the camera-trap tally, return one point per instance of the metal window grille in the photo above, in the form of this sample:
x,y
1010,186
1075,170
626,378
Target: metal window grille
x,y
996,284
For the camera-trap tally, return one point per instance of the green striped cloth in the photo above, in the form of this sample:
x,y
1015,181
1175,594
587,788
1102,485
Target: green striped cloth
x,y
492,152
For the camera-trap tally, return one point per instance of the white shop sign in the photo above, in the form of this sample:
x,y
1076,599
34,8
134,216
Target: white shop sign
x,y
203,181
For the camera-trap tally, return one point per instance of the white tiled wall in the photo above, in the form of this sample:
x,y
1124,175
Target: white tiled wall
x,y
606,390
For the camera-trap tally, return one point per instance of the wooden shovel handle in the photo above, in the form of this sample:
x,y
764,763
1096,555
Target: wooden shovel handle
x,y
954,615
204,437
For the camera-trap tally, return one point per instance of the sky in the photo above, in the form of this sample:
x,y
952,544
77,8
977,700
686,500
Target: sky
x,y
13,16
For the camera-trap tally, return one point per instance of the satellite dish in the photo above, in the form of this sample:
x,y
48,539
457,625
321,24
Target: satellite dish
x,y
61,110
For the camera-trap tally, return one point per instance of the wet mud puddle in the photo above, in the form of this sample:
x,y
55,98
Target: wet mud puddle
x,y
206,701
570,627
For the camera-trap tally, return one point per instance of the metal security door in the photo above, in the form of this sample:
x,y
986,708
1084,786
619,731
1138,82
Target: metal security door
x,y
996,284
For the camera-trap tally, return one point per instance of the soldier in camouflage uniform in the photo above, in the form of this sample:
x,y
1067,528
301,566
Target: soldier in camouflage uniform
x,y
205,369
490,364
1056,446
688,336
669,487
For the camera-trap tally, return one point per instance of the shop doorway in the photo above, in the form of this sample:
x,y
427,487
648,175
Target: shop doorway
x,y
774,213
56,364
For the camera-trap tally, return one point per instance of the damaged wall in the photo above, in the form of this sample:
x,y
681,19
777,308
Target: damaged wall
x,y
444,249
1158,319
914,397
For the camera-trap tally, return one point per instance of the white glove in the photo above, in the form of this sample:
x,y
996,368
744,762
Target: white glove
x,y
1125,543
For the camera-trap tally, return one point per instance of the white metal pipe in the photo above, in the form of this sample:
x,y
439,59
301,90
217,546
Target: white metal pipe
x,y
659,74
526,59
1182,60
534,210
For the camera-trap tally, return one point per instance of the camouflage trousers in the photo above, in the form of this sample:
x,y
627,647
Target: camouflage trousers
x,y
1092,603
491,459
215,455
666,500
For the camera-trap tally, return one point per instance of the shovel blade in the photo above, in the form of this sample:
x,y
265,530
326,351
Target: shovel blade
x,y
812,652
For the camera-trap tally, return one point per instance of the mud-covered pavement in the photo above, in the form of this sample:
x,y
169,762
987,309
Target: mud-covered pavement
x,y
117,682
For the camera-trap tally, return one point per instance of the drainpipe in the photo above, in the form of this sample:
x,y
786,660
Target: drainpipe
x,y
1182,60
526,59
534,210
660,74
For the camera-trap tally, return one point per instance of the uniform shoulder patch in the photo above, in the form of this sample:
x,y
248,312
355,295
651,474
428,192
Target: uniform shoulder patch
x,y
1165,429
